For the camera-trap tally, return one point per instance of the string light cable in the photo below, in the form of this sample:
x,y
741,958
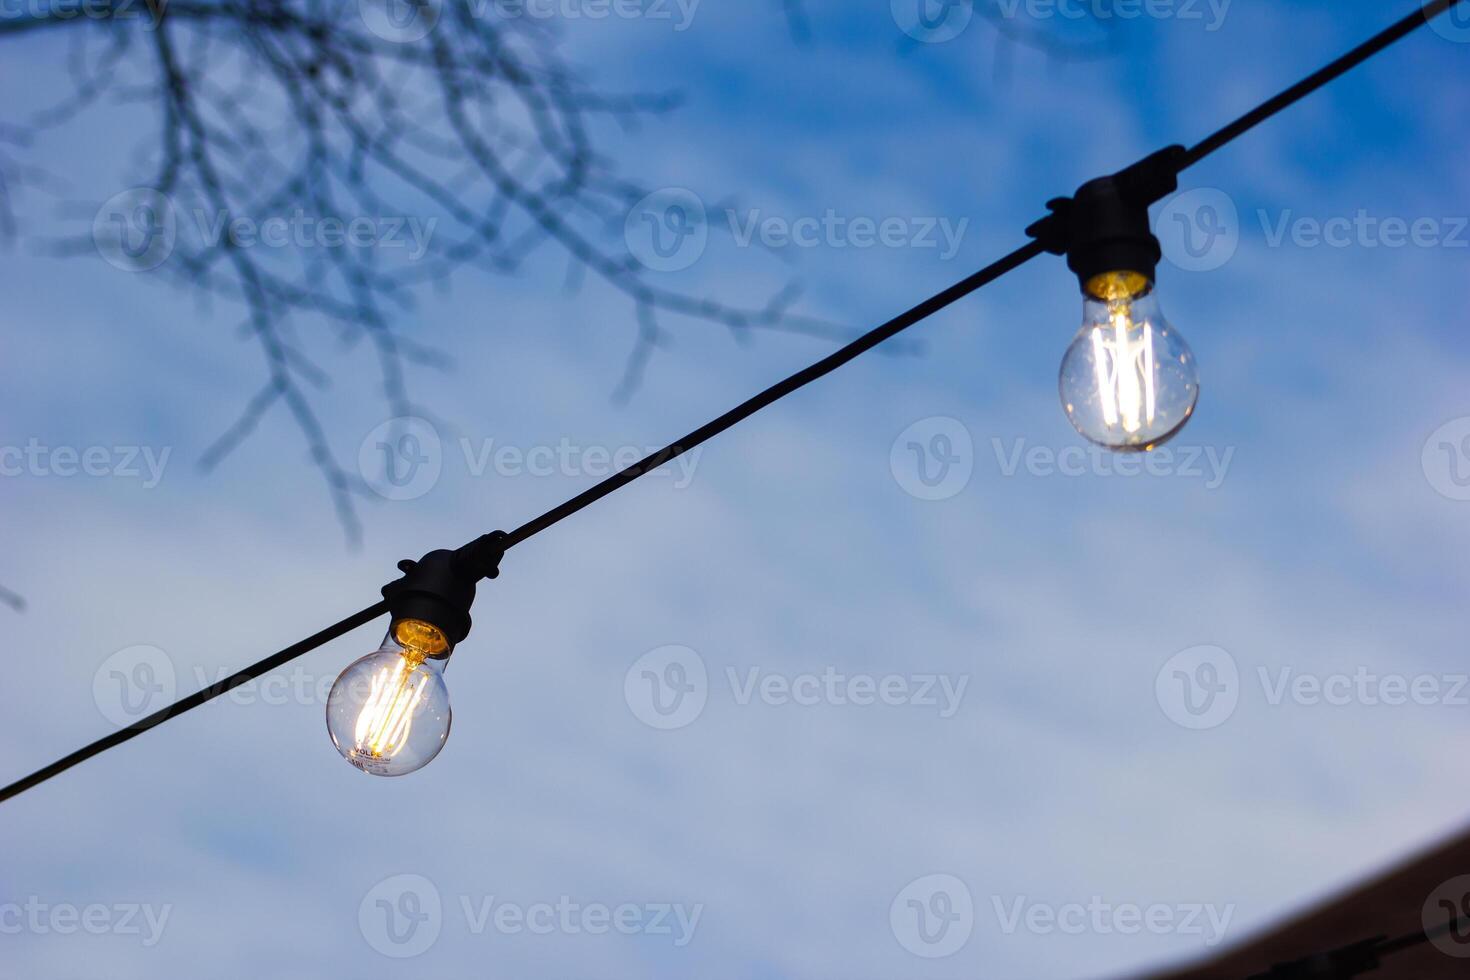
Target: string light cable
x,y
1127,382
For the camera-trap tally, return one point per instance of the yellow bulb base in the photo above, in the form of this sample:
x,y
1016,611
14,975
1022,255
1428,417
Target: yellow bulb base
x,y
420,638
1118,285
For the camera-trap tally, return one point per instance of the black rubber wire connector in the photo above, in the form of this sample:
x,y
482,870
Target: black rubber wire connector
x,y
1104,227
439,588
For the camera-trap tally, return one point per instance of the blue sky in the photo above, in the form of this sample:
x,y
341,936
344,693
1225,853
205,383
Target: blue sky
x,y
1302,527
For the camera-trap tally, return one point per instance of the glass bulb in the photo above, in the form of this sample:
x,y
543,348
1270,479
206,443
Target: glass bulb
x,y
1129,381
388,713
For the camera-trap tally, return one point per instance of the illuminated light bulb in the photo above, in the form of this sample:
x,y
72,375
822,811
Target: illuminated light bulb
x,y
388,713
1128,381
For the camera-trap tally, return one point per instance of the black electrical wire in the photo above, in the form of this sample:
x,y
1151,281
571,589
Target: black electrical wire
x,y
223,686
749,407
1317,79
777,391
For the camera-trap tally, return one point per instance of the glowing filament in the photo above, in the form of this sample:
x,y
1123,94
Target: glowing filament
x,y
1125,371
387,717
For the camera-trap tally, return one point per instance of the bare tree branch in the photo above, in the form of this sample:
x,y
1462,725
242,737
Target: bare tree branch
x,y
12,600
450,137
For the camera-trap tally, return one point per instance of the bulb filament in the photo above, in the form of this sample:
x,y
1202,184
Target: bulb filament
x,y
386,719
1125,370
